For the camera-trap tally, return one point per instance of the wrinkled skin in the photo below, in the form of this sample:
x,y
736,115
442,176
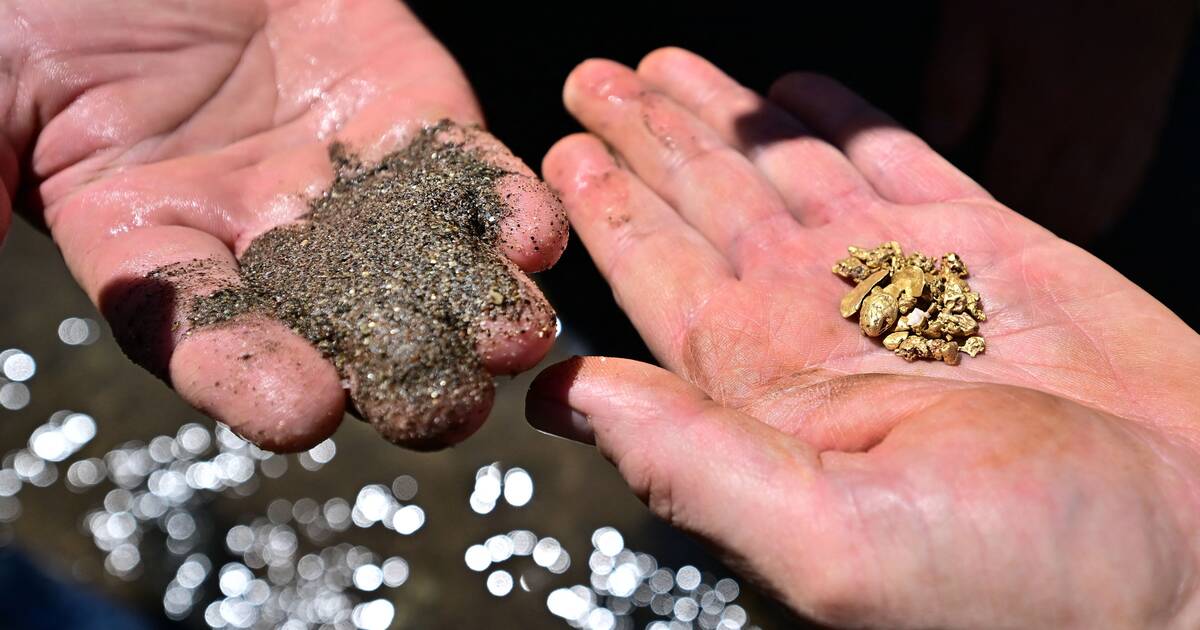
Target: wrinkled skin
x,y
148,133
1051,482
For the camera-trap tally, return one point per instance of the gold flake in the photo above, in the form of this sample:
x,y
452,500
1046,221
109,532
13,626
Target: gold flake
x,y
974,345
854,299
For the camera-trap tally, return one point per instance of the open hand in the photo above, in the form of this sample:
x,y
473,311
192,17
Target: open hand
x,y
151,133
1050,482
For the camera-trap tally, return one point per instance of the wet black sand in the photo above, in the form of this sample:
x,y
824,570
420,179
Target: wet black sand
x,y
392,275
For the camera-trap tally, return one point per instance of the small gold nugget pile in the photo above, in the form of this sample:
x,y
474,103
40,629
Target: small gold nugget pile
x,y
923,308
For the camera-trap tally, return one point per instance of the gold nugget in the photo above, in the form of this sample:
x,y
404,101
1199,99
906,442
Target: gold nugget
x,y
854,299
922,307
878,313
974,346
892,341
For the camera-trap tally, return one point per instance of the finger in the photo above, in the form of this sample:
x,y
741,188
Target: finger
x,y
659,267
143,249
511,346
900,166
817,182
759,495
253,374
957,77
659,430
709,183
533,230
533,227
533,234
195,195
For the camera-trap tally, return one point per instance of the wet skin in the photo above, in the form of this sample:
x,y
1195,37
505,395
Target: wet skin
x,y
1051,482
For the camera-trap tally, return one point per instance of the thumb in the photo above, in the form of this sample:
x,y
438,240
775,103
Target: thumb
x,y
755,492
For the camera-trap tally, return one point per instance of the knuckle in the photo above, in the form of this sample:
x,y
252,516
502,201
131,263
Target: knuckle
x,y
761,237
645,478
659,495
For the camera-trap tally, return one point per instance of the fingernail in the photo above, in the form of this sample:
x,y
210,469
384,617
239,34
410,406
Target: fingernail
x,y
554,418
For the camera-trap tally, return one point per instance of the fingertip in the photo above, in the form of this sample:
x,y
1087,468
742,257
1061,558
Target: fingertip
x,y
264,381
558,157
595,383
672,65
554,382
546,403
553,418
442,428
686,77
568,152
596,78
535,233
508,351
664,59
781,85
510,346
574,163
533,230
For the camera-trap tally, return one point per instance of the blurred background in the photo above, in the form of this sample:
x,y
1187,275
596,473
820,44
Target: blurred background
x,y
122,508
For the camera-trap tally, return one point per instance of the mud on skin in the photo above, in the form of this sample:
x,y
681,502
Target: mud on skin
x,y
394,275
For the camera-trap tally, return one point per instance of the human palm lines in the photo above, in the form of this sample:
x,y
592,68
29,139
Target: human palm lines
x,y
773,345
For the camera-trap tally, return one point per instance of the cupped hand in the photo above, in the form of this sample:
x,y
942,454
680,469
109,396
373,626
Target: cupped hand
x,y
153,133
1050,482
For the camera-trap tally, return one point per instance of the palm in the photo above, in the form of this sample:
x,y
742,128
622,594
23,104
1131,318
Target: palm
x,y
244,85
181,131
959,464
1018,488
1058,319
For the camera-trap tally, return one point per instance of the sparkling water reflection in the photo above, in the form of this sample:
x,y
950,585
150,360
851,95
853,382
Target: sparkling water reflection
x,y
293,565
